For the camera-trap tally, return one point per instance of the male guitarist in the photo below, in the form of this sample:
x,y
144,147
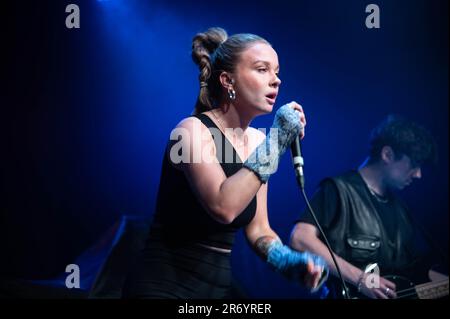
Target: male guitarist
x,y
364,221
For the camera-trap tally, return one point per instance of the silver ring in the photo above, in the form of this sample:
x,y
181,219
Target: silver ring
x,y
387,290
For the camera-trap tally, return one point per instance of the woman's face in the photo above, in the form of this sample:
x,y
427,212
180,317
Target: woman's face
x,y
256,79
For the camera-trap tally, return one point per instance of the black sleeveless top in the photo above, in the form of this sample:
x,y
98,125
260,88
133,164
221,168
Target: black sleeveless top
x,y
179,214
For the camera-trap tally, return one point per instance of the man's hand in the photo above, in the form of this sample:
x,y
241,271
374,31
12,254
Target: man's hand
x,y
386,289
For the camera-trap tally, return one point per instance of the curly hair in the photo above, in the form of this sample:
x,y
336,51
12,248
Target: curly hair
x,y
214,52
405,138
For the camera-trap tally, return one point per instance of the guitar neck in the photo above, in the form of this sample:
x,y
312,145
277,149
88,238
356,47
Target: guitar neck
x,y
432,290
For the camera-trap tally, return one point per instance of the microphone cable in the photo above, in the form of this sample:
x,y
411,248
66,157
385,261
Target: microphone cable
x,y
297,159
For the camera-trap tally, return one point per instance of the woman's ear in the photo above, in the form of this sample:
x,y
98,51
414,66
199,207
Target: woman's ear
x,y
226,80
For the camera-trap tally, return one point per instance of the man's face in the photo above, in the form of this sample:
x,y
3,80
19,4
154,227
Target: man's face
x,y
401,172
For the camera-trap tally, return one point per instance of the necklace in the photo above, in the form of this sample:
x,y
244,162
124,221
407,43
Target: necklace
x,y
378,197
242,143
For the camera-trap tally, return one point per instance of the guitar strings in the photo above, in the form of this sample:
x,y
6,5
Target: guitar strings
x,y
406,295
408,290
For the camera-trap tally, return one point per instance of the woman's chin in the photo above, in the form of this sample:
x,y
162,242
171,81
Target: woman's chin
x,y
266,108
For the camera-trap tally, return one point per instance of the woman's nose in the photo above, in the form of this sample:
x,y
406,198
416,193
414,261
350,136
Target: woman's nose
x,y
276,81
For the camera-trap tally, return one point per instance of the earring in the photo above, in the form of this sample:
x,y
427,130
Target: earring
x,y
231,94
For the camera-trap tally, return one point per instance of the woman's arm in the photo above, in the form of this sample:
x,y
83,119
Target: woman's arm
x,y
223,198
302,267
258,232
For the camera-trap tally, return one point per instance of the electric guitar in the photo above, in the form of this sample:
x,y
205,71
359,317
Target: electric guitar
x,y
430,290
406,289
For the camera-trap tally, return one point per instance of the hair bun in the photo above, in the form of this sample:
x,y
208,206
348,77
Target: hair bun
x,y
205,43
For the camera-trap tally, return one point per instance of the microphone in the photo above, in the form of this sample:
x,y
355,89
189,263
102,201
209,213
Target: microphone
x,y
297,160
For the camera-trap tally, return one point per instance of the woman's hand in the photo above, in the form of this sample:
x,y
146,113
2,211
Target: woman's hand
x,y
289,122
302,267
294,105
314,275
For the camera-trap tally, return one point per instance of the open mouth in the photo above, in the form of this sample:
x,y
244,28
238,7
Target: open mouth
x,y
271,98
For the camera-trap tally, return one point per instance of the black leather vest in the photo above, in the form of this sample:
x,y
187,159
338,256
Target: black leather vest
x,y
357,233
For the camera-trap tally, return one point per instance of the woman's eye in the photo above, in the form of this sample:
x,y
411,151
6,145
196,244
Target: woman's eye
x,y
262,70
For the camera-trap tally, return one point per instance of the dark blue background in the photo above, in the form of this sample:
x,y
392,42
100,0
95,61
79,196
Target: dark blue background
x,y
87,111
